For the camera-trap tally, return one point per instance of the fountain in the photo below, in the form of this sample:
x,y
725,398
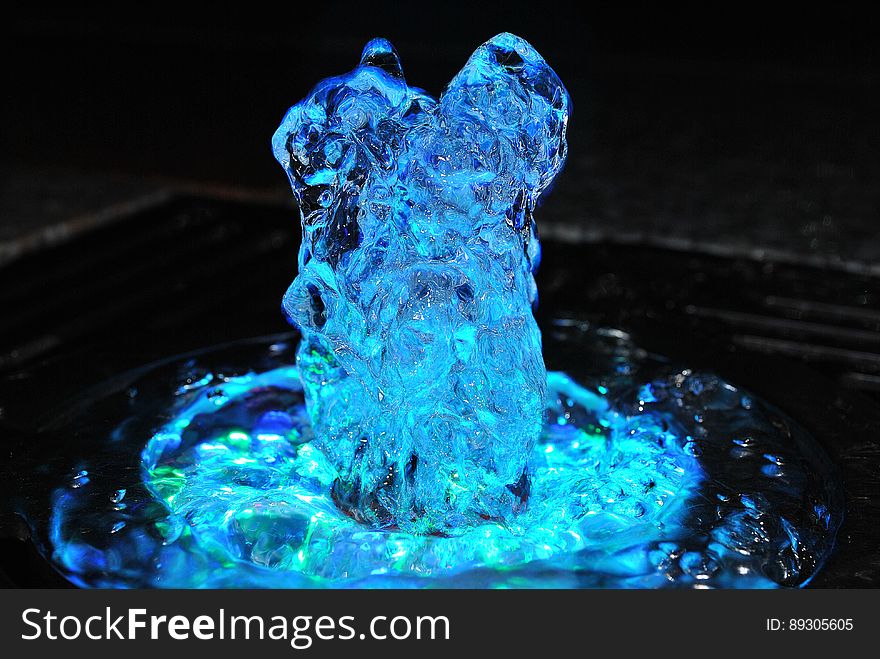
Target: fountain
x,y
411,434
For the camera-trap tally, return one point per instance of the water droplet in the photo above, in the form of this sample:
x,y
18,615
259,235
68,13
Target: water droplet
x,y
80,479
693,449
773,471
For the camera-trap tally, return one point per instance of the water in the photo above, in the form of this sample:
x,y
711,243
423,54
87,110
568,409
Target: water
x,y
646,474
419,440
421,359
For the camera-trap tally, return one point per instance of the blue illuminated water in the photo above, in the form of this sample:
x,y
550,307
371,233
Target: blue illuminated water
x,y
411,435
645,475
420,358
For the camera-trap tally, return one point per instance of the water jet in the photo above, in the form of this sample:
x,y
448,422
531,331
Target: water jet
x,y
416,437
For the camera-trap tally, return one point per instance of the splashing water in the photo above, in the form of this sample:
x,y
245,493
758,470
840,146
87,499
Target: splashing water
x,y
420,358
645,475
419,439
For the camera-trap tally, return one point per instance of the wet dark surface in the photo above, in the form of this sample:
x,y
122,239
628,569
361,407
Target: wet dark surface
x,y
196,272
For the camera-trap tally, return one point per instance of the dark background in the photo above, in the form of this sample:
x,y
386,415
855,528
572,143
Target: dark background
x,y
741,126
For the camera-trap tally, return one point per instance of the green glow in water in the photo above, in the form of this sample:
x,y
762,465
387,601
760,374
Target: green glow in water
x,y
657,479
